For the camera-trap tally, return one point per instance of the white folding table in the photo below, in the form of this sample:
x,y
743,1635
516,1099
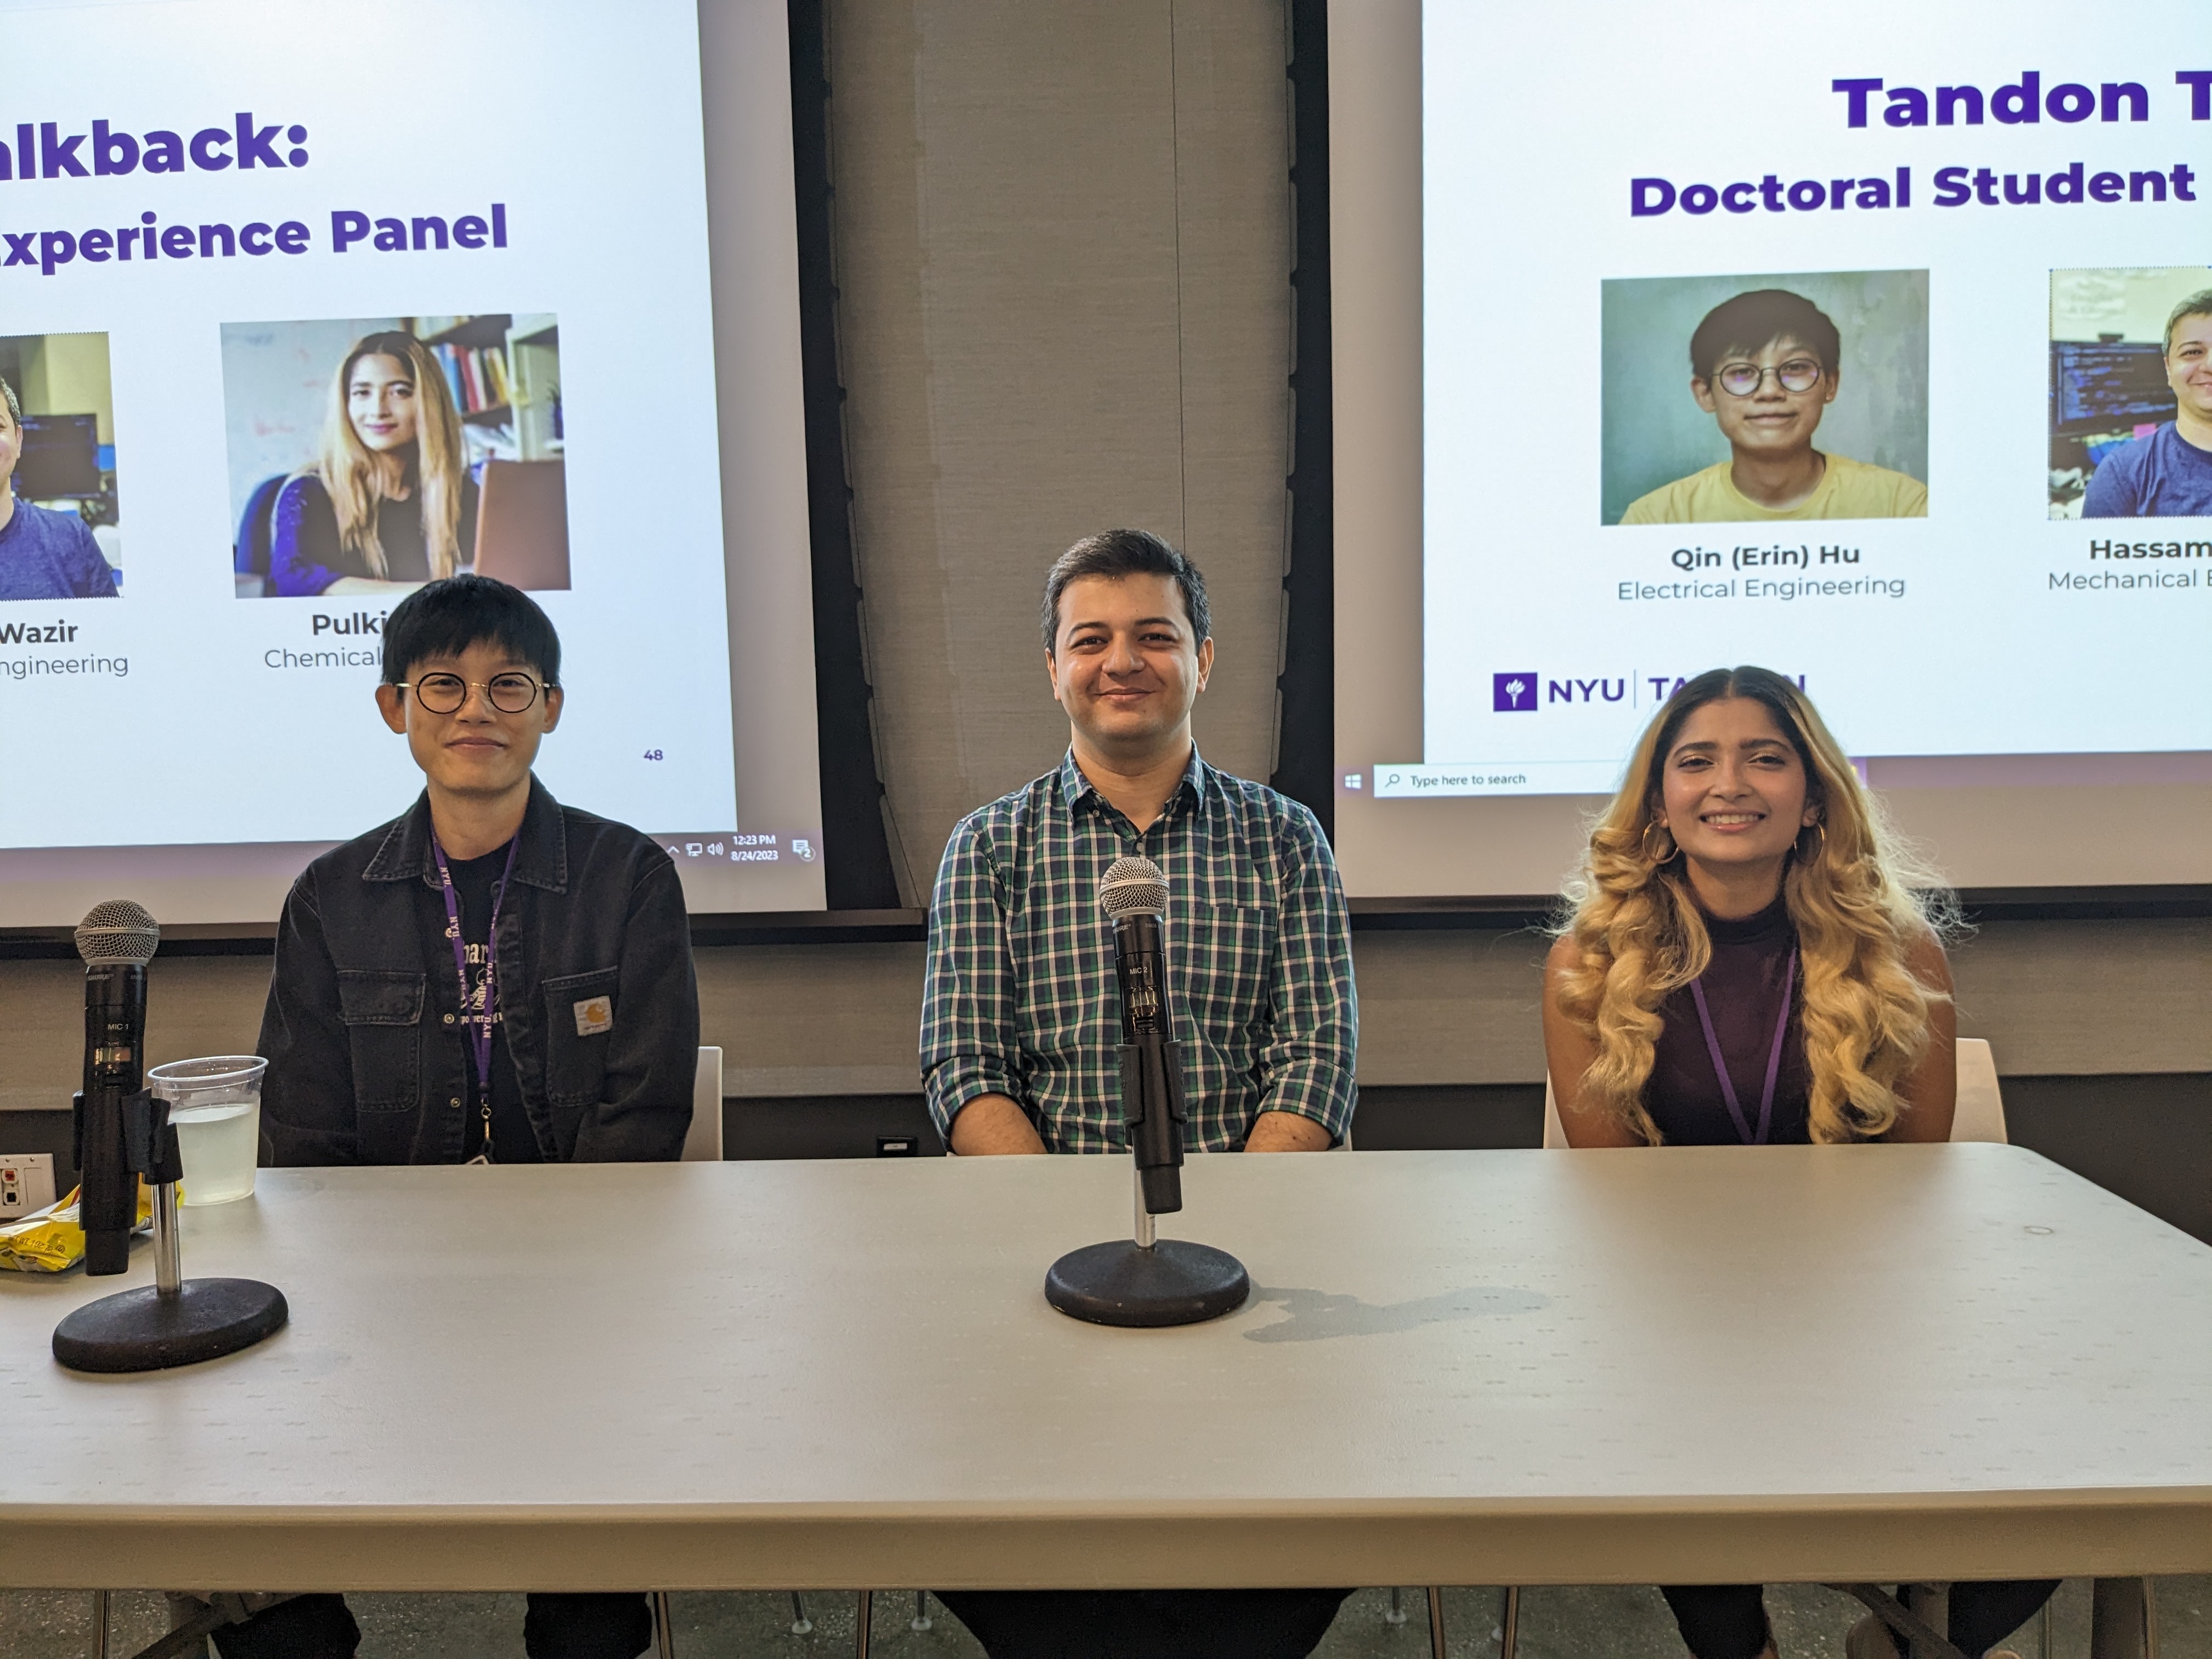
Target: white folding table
x,y
1723,1364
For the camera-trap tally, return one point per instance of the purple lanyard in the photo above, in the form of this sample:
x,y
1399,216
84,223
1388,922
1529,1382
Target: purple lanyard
x,y
1773,1058
480,1021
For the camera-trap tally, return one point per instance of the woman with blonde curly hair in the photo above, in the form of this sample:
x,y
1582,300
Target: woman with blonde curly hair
x,y
1753,959
1742,896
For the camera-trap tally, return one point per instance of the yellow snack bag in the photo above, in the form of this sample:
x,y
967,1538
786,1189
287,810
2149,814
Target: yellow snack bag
x,y
50,1241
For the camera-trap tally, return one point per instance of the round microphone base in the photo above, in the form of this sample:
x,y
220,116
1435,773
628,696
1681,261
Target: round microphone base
x,y
143,1330
1174,1282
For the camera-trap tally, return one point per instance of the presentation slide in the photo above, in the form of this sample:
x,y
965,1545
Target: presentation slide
x,y
1883,360
301,316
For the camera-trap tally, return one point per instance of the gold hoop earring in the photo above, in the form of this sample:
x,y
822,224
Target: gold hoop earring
x,y
1673,847
1819,847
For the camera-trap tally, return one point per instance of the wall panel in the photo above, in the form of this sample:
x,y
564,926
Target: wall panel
x,y
1062,238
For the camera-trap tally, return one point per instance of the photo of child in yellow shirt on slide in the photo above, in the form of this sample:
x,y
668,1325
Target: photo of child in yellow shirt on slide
x,y
1763,365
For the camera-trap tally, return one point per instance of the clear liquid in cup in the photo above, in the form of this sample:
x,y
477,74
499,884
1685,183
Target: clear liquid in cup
x,y
220,1144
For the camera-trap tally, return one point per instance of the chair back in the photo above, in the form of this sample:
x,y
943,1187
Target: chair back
x,y
703,1144
1980,1112
1555,1132
249,554
1979,1116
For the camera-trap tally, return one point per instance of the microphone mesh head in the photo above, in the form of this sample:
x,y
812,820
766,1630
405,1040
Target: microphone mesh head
x,y
1133,887
118,930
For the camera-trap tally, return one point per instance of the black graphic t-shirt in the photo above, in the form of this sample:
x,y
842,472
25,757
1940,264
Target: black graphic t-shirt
x,y
513,1140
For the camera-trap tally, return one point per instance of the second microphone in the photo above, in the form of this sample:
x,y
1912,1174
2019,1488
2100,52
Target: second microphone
x,y
1134,894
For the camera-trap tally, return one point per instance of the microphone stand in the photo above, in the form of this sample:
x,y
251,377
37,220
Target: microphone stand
x,y
176,1320
1146,1281
123,1135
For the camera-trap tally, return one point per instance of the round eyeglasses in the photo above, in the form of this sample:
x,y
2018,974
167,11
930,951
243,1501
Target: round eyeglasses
x,y
1744,379
444,694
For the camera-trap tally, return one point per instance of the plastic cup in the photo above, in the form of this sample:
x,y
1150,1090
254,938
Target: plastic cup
x,y
215,1105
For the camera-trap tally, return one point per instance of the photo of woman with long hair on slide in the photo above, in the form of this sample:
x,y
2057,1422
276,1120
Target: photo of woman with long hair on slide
x,y
1753,958
389,504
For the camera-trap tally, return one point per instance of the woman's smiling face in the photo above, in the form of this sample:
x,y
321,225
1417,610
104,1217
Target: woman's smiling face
x,y
380,402
1733,790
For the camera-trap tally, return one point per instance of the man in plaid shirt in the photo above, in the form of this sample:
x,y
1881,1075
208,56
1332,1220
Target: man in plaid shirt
x,y
1021,1015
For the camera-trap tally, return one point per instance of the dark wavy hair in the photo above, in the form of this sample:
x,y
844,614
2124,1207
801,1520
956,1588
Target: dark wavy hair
x,y
1116,553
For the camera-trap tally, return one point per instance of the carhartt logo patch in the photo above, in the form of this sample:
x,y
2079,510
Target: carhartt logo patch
x,y
595,1015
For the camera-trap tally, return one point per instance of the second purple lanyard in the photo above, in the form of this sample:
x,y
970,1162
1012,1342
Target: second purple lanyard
x,y
1773,1058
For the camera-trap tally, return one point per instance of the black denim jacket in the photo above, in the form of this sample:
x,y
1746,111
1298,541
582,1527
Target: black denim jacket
x,y
366,1064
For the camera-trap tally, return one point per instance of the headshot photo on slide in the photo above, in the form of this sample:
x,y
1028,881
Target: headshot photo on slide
x,y
370,455
1760,399
59,534
2131,393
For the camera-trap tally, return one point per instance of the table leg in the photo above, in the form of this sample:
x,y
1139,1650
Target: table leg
x,y
2122,1623
802,1626
861,1629
99,1624
664,1630
1931,1605
1436,1622
1509,1623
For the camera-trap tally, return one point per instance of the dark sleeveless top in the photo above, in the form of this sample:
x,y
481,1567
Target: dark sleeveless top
x,y
1743,991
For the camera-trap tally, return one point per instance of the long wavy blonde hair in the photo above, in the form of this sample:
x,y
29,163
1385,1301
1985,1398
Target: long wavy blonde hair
x,y
355,482
1859,896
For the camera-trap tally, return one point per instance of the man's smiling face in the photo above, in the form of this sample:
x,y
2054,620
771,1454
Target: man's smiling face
x,y
2189,366
1125,664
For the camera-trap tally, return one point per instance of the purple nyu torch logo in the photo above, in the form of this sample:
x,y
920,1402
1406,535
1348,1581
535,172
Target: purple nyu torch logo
x,y
1513,694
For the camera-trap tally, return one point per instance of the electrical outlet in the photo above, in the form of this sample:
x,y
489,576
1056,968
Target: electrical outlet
x,y
26,1184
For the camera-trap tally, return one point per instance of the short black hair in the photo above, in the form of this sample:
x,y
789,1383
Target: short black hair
x,y
1114,554
445,619
1751,322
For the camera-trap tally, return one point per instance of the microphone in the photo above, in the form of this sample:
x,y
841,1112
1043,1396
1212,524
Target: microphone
x,y
123,1133
1146,1281
1135,895
117,940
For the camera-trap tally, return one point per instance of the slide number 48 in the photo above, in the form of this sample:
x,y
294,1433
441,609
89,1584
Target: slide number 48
x,y
652,754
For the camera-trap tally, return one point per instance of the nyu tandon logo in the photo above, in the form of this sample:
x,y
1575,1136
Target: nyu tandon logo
x,y
1524,691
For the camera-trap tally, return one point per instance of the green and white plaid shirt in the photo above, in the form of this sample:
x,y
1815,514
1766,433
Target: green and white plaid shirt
x,y
1020,998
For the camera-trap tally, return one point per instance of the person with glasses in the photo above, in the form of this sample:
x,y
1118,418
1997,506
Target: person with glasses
x,y
490,977
1765,366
